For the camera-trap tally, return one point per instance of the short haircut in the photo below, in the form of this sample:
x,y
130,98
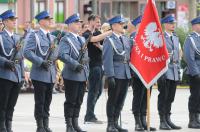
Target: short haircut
x,y
92,17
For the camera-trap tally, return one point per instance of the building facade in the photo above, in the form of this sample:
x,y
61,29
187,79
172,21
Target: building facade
x,y
132,8
184,10
27,9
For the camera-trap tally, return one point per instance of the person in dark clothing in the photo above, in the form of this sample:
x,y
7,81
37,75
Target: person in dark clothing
x,y
95,65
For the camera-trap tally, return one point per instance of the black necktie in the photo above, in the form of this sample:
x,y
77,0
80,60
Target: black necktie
x,y
48,36
79,40
120,38
172,42
12,37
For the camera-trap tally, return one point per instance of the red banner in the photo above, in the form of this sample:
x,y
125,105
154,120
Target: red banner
x,y
149,56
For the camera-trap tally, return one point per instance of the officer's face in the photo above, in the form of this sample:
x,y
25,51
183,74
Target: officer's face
x,y
118,28
75,27
196,27
10,23
170,26
45,23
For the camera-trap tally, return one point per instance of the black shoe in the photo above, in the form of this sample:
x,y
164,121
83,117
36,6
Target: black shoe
x,y
138,123
76,126
144,123
193,121
163,123
93,120
198,117
46,125
40,126
171,124
69,126
9,126
40,129
2,126
111,127
118,127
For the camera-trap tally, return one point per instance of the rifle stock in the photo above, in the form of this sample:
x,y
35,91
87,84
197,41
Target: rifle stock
x,y
53,46
83,50
17,48
13,56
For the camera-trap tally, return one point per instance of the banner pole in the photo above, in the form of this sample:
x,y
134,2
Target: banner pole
x,y
148,110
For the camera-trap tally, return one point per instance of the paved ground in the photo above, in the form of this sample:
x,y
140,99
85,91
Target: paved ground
x,y
24,121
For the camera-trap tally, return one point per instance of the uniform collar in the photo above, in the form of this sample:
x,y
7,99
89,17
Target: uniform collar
x,y
117,35
75,35
9,33
44,31
197,34
168,34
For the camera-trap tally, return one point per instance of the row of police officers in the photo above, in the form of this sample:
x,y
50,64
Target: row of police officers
x,y
40,49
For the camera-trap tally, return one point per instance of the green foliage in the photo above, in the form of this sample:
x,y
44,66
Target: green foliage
x,y
182,34
59,17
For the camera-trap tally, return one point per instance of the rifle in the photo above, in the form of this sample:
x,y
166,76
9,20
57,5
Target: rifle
x,y
83,50
15,52
17,49
52,48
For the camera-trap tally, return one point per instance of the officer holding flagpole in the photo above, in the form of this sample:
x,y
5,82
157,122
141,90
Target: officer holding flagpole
x,y
43,72
139,103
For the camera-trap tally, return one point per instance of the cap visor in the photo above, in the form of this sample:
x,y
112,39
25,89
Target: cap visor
x,y
172,22
13,17
48,17
80,20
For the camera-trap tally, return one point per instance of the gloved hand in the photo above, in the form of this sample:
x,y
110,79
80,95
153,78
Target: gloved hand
x,y
111,82
45,65
79,68
9,65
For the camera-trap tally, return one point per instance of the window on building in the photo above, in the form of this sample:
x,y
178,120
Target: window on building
x,y
59,11
131,8
41,5
118,8
105,11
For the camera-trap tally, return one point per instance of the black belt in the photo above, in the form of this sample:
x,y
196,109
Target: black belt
x,y
174,62
121,61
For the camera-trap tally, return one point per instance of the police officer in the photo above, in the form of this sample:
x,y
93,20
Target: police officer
x,y
75,73
43,72
139,103
116,57
11,70
168,82
192,58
